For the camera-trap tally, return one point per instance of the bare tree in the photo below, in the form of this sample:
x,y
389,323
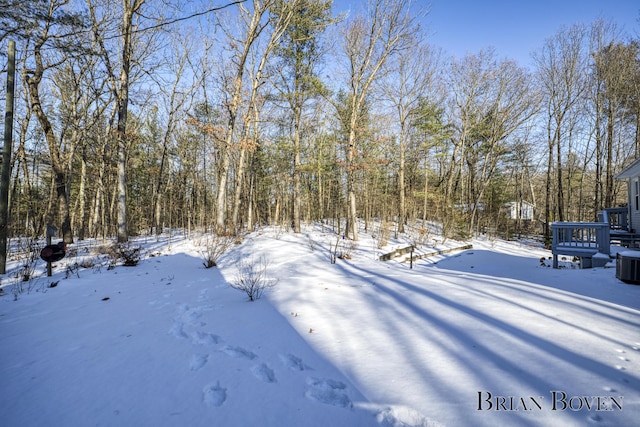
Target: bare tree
x,y
493,100
561,65
175,101
5,175
298,56
405,88
280,18
59,28
254,23
616,66
119,76
369,42
79,113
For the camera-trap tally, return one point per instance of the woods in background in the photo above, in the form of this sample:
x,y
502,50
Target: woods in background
x,y
134,115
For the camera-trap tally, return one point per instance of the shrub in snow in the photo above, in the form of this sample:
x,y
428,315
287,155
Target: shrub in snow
x,y
71,270
32,250
252,279
383,235
312,242
125,253
420,237
342,249
130,255
215,247
24,277
277,231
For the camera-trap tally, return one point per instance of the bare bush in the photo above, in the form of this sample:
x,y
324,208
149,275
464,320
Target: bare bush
x,y
72,269
215,246
333,251
252,279
420,237
25,278
123,253
277,231
383,235
342,249
346,249
312,243
28,267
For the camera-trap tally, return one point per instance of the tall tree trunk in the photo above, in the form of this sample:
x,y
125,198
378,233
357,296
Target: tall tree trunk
x,y
598,184
250,207
296,176
253,31
57,165
608,197
560,191
81,197
237,200
547,196
130,7
352,216
402,185
5,176
159,188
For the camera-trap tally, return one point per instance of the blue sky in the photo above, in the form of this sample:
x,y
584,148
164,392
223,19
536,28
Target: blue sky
x,y
513,27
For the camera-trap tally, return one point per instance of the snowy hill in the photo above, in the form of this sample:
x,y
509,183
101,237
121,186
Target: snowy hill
x,y
481,337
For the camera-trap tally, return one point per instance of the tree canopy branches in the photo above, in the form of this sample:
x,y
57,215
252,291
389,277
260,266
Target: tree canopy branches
x,y
130,120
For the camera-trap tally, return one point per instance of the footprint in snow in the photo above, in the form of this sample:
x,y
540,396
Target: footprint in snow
x,y
204,338
595,418
329,392
239,352
214,395
294,363
182,309
177,331
264,373
191,317
403,416
198,361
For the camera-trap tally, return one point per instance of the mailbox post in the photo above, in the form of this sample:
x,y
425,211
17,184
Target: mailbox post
x,y
411,258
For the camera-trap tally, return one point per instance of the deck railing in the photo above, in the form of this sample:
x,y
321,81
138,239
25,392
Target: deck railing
x,y
617,218
580,239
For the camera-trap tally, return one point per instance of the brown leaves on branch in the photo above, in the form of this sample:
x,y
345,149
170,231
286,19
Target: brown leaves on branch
x,y
215,131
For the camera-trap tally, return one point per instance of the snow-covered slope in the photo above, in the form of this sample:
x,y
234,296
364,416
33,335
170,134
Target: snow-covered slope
x,y
482,337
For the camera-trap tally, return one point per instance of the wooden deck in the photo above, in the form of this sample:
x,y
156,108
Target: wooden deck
x,y
588,241
616,217
625,238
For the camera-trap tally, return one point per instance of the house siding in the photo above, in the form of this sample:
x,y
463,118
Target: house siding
x,y
632,174
634,203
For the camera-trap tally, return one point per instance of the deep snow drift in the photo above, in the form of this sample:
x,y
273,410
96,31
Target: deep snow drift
x,y
481,337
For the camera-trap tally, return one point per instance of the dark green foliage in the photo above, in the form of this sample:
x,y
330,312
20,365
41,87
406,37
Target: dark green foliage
x,y
25,19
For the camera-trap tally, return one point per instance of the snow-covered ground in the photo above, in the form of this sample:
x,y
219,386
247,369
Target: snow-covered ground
x,y
480,337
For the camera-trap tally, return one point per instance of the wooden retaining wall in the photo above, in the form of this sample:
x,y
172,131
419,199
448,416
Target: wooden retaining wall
x,y
403,251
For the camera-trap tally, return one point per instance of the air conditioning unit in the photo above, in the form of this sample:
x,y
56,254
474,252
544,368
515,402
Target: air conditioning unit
x,y
628,267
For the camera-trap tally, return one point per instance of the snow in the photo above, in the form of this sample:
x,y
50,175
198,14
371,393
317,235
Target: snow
x,y
478,337
630,254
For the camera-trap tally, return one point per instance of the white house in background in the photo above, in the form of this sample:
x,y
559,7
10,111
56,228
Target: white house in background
x,y
465,208
632,175
520,210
